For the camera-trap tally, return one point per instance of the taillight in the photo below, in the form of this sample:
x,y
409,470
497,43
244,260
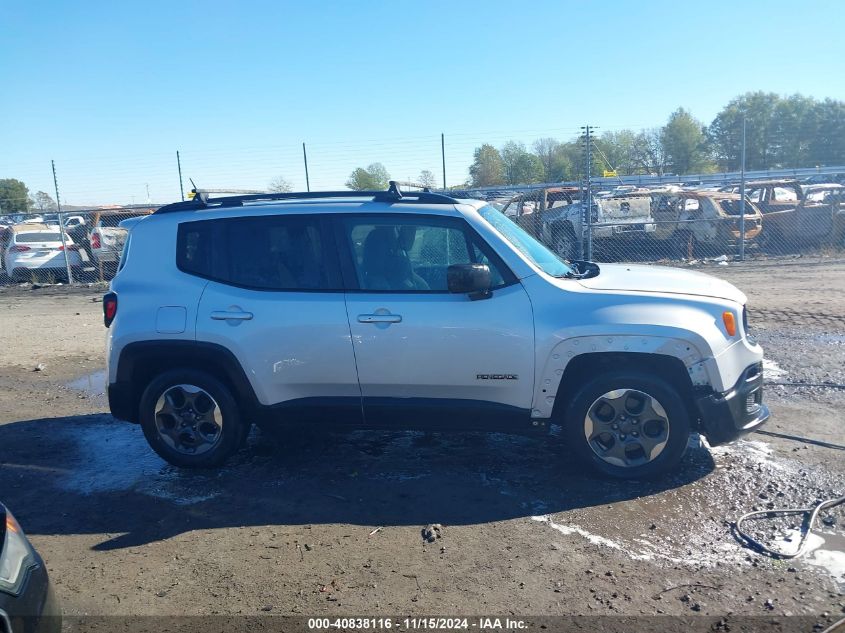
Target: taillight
x,y
20,248
70,247
109,308
95,240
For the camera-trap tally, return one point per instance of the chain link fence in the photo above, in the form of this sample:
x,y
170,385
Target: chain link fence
x,y
667,223
76,246
659,223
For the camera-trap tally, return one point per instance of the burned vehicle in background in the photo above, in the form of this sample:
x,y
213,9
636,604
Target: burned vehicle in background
x,y
820,217
557,216
696,223
795,214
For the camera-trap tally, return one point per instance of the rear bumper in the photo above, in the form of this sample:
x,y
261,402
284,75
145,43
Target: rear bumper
x,y
122,401
739,410
27,272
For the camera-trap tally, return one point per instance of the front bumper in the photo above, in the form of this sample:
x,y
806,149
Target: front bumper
x,y
735,412
35,610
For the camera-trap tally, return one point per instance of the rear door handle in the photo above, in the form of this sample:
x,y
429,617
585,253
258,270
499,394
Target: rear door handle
x,y
225,315
379,318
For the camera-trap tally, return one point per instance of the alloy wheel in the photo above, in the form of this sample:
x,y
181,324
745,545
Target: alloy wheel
x,y
626,427
188,419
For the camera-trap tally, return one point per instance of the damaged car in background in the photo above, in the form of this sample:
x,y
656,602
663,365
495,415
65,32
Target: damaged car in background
x,y
558,217
796,214
697,223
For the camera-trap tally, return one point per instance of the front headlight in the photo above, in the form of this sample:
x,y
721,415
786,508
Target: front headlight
x,y
16,557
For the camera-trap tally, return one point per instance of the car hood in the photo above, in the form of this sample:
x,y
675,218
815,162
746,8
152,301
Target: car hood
x,y
662,279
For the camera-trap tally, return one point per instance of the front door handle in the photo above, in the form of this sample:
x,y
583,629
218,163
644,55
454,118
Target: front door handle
x,y
225,315
379,318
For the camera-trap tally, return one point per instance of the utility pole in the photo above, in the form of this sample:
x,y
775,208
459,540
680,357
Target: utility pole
x,y
443,156
61,223
742,197
305,159
179,165
587,196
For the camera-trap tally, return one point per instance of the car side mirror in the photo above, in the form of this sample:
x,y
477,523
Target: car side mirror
x,y
470,279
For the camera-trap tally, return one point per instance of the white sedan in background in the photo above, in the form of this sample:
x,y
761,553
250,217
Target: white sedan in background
x,y
36,251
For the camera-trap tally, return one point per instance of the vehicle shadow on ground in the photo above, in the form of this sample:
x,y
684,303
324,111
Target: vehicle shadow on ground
x,y
92,474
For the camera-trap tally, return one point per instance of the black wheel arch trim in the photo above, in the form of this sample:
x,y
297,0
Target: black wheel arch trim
x,y
137,359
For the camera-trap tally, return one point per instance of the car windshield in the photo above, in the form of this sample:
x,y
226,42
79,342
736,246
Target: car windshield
x,y
539,255
732,207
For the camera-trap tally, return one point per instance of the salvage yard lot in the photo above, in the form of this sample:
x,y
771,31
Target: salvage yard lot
x,y
291,529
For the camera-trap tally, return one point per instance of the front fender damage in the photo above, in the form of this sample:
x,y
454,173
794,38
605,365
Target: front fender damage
x,y
700,366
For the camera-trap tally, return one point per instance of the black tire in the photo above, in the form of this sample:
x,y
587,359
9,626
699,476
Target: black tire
x,y
232,431
678,424
685,245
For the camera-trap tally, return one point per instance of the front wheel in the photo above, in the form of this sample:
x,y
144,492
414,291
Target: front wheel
x,y
628,424
191,419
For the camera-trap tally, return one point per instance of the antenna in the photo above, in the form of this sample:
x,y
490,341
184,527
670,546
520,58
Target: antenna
x,y
202,196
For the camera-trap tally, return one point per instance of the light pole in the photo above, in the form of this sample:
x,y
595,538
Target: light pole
x,y
742,197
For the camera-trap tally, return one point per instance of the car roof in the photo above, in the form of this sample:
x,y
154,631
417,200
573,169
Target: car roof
x,y
766,182
823,187
716,195
324,206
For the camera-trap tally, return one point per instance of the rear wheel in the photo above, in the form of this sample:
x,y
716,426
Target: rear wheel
x,y
628,424
191,419
686,246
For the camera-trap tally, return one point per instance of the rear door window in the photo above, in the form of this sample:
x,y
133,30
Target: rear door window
x,y
279,252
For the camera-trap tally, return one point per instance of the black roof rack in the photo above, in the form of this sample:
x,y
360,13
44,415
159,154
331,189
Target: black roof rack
x,y
392,195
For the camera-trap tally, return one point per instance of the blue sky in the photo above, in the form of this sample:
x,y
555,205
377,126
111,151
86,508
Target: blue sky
x,y
111,90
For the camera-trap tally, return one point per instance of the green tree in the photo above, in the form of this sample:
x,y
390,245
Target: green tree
x,y
616,151
827,146
279,184
487,168
427,179
43,202
684,143
548,152
521,167
648,153
725,132
373,178
14,196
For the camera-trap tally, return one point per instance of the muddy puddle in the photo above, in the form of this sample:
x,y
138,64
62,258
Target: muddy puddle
x,y
93,384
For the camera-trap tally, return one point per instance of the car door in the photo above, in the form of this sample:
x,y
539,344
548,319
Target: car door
x,y
275,300
427,357
815,216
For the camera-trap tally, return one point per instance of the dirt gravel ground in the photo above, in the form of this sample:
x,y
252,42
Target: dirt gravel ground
x,y
332,525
